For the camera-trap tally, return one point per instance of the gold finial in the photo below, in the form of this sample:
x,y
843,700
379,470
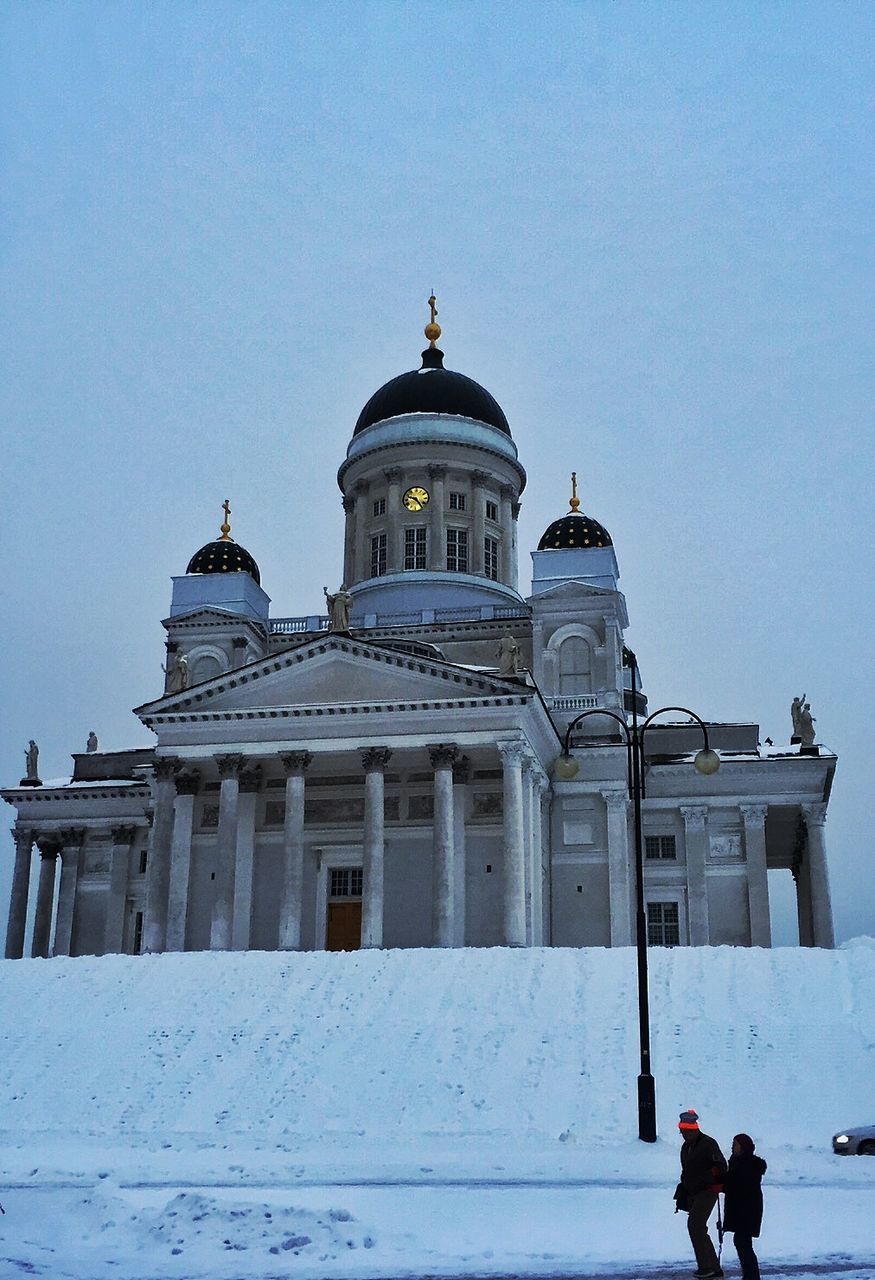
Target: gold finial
x,y
225,529
432,329
575,501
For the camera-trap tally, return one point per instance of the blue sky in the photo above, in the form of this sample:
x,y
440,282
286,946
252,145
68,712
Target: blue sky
x,y
649,228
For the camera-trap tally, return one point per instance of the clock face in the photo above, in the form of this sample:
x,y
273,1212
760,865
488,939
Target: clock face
x,y
415,498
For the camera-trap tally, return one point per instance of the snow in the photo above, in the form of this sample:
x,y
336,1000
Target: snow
x,y
421,1112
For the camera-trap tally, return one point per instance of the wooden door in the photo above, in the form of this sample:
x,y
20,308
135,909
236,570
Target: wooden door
x,y
344,926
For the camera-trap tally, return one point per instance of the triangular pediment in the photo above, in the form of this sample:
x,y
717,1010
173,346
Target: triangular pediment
x,y
572,588
206,615
333,671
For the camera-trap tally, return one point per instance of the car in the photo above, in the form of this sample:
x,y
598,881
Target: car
x,y
855,1142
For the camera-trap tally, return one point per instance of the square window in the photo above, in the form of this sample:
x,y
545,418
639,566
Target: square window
x,y
414,547
457,502
663,924
457,550
660,847
210,815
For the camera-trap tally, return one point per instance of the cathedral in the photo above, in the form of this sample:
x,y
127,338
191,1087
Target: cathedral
x,y
432,759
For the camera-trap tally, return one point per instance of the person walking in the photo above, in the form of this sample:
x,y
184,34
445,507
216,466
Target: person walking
x,y
703,1169
743,1207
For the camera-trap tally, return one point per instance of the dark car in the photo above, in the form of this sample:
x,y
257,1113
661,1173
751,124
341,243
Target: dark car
x,y
855,1142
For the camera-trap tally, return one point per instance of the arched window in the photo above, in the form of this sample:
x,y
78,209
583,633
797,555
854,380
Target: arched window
x,y
575,666
205,667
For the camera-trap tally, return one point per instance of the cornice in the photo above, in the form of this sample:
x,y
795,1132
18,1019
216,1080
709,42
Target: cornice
x,y
15,795
337,710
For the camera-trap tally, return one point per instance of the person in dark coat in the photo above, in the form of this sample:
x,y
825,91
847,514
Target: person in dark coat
x,y
743,1206
702,1171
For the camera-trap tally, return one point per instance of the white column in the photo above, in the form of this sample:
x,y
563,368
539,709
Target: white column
x,y
821,905
296,764
461,778
119,868
17,921
442,759
514,545
802,879
505,562
514,889
361,554
695,838
45,895
479,480
754,818
244,861
394,549
71,854
158,861
349,538
221,933
540,784
437,531
374,762
180,860
619,868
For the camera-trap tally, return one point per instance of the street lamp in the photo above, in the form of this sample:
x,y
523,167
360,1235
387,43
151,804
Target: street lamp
x,y
566,767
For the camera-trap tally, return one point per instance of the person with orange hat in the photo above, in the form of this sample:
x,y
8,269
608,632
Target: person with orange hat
x,y
703,1170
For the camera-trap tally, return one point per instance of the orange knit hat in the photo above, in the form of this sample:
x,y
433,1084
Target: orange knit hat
x,y
689,1119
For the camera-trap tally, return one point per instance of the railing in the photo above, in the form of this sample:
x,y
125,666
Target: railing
x,y
574,702
413,618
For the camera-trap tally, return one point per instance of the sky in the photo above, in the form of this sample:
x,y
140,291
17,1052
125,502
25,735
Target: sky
x,y
649,229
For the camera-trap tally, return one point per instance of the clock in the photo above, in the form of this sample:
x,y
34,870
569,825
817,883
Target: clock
x,y
415,498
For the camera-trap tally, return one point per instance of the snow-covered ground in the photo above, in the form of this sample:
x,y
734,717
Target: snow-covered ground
x,y
421,1112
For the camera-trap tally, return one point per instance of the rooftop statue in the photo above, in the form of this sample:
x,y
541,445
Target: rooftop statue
x,y
508,656
177,674
91,744
31,757
338,608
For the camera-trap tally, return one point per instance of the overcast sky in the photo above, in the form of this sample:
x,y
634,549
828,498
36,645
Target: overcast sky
x,y
649,228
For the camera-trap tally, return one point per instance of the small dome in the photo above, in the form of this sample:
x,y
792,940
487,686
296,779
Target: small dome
x,y
433,389
224,556
574,530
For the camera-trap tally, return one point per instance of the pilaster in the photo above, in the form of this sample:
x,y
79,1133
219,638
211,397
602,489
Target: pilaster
x,y
158,863
296,764
24,839
120,860
754,819
821,904
437,520
619,868
443,757
374,762
45,895
514,888
72,840
230,767
461,778
187,786
695,836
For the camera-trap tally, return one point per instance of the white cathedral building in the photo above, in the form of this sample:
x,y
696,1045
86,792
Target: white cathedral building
x,y
386,776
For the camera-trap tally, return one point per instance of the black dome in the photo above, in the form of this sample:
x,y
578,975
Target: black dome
x,y
224,556
574,530
433,389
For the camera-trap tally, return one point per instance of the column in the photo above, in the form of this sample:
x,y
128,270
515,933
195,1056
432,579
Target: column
x,y
695,837
187,785
239,645
802,878
158,863
119,868
45,895
244,859
545,923
394,550
528,779
619,868
514,902
71,853
361,547
17,920
221,934
539,782
437,524
505,517
514,545
461,778
821,904
296,764
479,481
442,758
374,762
754,818
349,574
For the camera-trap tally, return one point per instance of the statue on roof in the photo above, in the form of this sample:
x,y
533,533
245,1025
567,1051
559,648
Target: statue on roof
x,y
508,655
339,604
176,672
796,716
31,757
91,744
806,725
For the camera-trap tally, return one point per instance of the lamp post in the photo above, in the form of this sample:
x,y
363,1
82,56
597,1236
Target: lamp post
x,y
566,768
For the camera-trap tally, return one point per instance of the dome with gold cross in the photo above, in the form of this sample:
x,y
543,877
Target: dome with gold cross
x,y
432,389
574,529
224,555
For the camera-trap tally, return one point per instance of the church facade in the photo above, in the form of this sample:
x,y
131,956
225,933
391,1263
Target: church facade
x,y
384,773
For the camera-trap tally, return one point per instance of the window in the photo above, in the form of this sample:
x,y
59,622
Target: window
x,y
380,507
274,813
457,502
660,847
346,882
414,547
210,815
138,932
663,924
575,666
378,555
457,550
144,858
490,557
491,510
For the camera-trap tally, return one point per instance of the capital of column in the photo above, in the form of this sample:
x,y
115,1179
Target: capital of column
x,y
376,758
814,814
230,765
753,815
124,835
615,801
239,642
694,816
48,845
443,755
296,761
392,474
250,779
348,503
188,784
507,492
24,838
436,471
462,771
513,752
166,767
171,646
72,837
481,477
515,510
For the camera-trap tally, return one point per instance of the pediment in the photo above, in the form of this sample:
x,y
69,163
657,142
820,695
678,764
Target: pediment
x,y
209,615
333,671
573,589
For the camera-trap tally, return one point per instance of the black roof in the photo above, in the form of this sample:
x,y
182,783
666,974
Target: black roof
x,y
433,389
574,530
224,556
